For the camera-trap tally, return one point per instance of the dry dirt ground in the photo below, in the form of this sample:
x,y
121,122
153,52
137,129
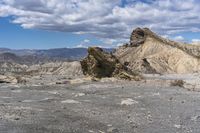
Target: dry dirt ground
x,y
99,107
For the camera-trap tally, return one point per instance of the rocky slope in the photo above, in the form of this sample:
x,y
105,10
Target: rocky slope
x,y
150,53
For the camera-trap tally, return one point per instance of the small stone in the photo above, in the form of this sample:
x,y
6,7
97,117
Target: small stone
x,y
177,126
80,95
171,98
91,131
128,101
17,119
70,101
112,130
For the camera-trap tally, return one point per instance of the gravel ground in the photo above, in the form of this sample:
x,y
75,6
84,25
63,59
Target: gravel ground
x,y
99,107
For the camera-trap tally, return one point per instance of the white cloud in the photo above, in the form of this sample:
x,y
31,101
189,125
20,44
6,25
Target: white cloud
x,y
86,41
120,44
84,44
179,38
196,41
109,41
165,36
105,19
80,46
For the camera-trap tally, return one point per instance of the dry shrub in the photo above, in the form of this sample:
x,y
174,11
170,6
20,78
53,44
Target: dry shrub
x,y
179,83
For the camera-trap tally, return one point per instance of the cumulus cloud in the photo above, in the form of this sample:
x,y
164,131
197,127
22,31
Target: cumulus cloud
x,y
109,20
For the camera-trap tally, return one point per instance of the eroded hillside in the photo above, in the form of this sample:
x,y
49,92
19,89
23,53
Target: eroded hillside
x,y
150,53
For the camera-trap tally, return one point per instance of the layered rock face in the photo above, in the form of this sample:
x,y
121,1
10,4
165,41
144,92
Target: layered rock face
x,y
150,53
101,64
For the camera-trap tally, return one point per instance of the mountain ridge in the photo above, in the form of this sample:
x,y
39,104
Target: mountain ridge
x,y
31,56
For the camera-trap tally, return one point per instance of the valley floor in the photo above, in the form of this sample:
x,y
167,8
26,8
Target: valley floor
x,y
99,107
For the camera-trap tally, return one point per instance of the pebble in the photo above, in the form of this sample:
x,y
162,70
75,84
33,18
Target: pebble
x,y
69,101
128,101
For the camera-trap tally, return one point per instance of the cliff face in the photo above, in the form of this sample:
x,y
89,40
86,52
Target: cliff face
x,y
150,53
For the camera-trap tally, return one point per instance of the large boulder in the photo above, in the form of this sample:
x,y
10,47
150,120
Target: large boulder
x,y
101,64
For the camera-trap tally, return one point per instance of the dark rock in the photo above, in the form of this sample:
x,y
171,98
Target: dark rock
x,y
101,64
138,37
17,119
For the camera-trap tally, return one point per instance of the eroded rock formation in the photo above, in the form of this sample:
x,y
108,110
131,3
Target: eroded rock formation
x,y
101,64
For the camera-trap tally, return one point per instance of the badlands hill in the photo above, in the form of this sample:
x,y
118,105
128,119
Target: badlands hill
x,y
150,53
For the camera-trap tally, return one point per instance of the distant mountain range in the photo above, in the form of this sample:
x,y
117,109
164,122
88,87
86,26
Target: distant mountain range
x,y
29,56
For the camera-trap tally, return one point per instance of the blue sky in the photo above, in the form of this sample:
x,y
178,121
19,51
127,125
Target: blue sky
x,y
15,37
43,24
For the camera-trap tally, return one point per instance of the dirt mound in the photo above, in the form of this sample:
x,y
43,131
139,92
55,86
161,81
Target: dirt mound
x,y
150,53
101,64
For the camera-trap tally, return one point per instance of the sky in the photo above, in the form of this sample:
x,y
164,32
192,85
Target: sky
x,y
45,24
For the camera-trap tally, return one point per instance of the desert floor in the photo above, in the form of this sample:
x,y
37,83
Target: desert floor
x,y
150,106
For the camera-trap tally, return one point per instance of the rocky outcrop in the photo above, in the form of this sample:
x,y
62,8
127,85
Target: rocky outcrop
x,y
138,37
150,53
101,64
